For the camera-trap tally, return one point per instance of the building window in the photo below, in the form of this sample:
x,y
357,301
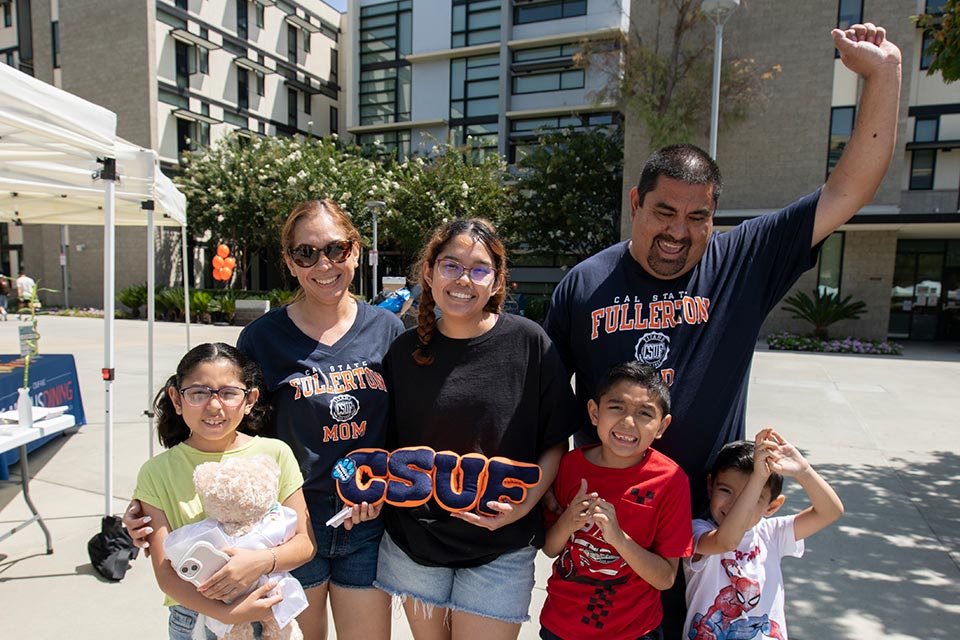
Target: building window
x,y
181,4
546,69
334,65
926,129
922,165
55,43
334,120
203,60
8,56
555,10
261,84
849,13
525,134
7,14
841,128
387,143
935,7
385,38
185,141
386,32
307,103
306,42
170,97
926,59
550,81
292,108
482,137
182,64
830,264
258,9
292,43
475,22
261,128
243,88
474,87
242,25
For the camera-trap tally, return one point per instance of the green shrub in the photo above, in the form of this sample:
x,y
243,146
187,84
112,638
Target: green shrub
x,y
823,309
169,303
133,297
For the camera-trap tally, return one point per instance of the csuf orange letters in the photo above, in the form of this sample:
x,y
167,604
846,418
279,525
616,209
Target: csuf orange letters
x,y
412,476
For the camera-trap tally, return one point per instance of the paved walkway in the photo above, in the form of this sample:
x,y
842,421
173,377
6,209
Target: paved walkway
x,y
884,431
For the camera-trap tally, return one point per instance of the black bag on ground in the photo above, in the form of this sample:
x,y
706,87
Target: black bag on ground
x,y
112,550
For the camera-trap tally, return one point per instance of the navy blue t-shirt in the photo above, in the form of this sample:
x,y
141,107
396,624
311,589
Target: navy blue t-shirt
x,y
327,399
699,329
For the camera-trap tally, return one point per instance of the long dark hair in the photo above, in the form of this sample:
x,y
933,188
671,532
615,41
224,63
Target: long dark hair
x,y
171,429
481,231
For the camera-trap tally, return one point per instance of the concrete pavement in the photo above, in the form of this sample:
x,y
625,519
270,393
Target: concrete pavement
x,y
883,431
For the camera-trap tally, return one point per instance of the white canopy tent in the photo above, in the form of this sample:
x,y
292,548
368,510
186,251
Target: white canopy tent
x,y
61,163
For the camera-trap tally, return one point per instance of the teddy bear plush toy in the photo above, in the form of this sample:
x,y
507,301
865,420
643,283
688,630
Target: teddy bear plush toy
x,y
239,496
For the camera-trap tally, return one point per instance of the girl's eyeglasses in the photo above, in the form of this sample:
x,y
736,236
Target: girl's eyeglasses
x,y
199,395
306,256
452,270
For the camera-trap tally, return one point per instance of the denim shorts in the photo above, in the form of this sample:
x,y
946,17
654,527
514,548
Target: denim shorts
x,y
183,620
500,589
346,558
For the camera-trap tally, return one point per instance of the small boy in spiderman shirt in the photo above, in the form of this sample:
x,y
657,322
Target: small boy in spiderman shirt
x,y
734,582
626,520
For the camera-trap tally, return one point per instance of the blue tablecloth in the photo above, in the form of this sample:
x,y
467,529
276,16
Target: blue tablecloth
x,y
53,383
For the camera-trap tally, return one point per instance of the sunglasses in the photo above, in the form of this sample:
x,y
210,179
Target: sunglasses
x,y
452,270
199,395
306,256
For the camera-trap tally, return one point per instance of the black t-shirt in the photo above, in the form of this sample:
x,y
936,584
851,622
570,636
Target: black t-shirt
x,y
699,329
504,393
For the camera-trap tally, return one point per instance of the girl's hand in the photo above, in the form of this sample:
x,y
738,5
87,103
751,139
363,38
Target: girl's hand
x,y
256,605
361,513
239,574
506,513
137,526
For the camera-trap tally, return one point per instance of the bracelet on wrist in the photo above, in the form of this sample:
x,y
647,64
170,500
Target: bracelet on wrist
x,y
274,554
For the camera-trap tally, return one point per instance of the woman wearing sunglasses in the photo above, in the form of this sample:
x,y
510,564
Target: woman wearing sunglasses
x,y
475,380
321,358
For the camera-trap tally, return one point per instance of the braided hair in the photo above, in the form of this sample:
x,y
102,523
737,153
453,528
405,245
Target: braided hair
x,y
479,230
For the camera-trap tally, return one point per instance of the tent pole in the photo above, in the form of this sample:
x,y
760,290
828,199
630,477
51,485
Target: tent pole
x,y
151,289
109,175
186,281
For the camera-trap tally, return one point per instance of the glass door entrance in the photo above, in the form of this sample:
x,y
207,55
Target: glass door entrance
x,y
925,299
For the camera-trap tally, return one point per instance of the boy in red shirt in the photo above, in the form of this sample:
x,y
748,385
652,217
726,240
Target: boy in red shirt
x,y
626,521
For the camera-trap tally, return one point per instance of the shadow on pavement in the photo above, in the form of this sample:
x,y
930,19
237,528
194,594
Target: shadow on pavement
x,y
883,575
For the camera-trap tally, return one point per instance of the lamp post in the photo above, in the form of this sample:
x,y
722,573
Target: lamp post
x,y
374,206
717,11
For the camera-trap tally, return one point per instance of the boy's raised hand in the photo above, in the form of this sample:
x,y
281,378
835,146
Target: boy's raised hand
x,y
789,462
765,452
605,515
580,510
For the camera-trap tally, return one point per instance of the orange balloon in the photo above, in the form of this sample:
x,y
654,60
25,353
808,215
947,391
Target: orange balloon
x,y
223,250
216,274
217,262
225,273
229,262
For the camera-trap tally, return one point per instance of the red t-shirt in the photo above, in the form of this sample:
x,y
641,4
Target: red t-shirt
x,y
592,591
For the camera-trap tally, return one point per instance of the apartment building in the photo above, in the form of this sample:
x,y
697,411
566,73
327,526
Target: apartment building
x,y
178,74
489,71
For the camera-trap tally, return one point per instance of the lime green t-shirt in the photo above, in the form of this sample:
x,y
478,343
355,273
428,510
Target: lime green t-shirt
x,y
166,481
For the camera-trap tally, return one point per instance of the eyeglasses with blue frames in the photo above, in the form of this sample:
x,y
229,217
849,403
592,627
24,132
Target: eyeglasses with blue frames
x,y
198,395
452,270
306,256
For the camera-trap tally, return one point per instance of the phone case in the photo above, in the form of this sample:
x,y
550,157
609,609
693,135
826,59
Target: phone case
x,y
202,561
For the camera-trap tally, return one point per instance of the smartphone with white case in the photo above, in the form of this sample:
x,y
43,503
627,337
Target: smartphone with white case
x,y
202,561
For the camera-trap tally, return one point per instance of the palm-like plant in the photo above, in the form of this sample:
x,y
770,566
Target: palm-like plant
x,y
823,309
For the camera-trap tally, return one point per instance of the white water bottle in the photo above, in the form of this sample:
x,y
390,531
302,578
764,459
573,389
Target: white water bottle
x,y
25,407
